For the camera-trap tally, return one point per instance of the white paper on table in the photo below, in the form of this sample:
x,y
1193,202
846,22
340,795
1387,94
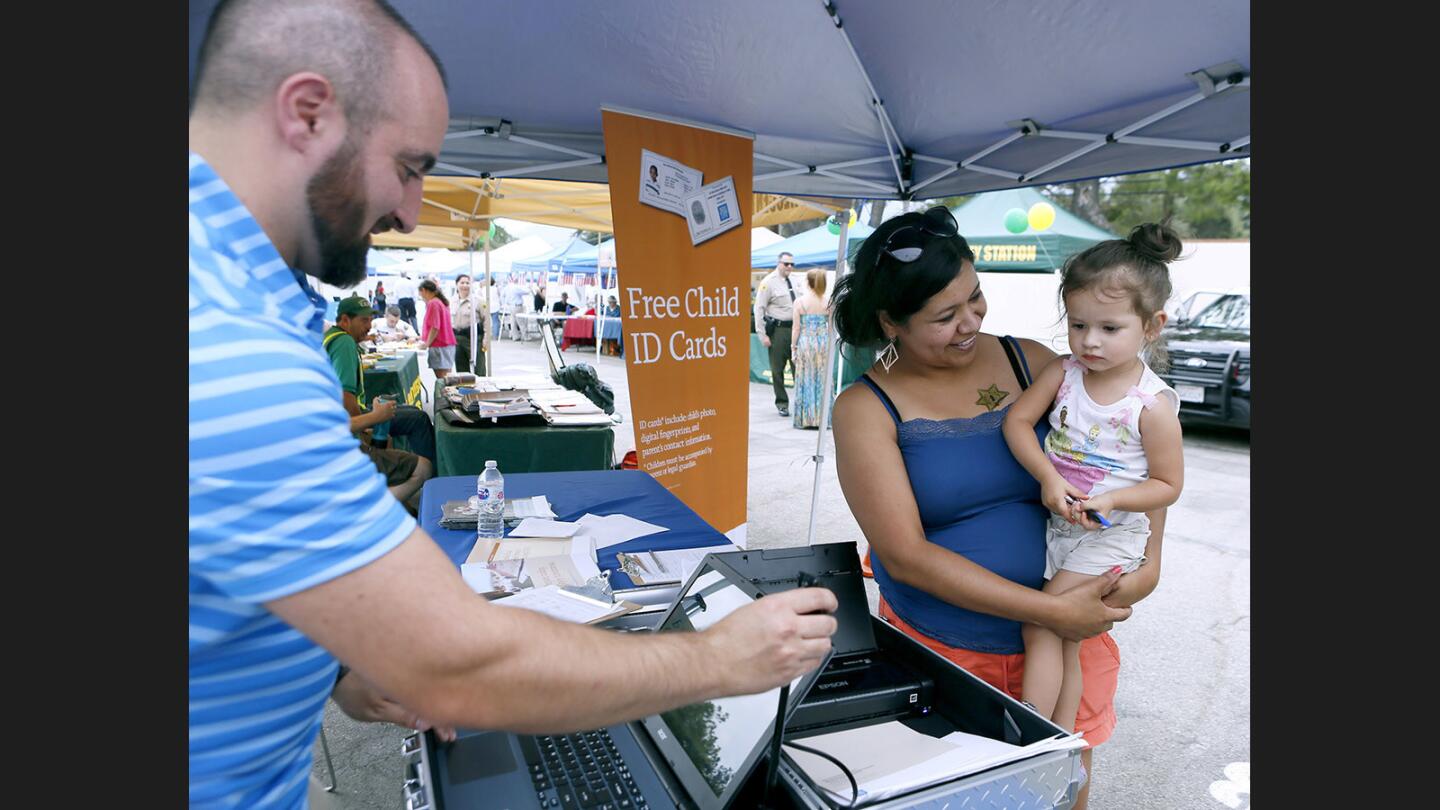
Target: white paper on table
x,y
671,565
712,210
665,183
541,527
534,506
520,548
574,570
611,530
554,602
477,576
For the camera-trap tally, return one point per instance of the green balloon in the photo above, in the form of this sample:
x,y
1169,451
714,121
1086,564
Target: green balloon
x,y
1016,220
832,226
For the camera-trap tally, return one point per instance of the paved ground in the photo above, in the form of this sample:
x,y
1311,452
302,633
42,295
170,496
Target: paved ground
x,y
1183,739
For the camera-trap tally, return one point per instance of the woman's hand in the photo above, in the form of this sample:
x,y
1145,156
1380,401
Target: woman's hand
x,y
361,701
1061,497
1135,585
1081,613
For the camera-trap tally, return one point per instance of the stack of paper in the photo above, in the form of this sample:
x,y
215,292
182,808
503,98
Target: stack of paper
x,y
535,506
559,603
566,407
665,567
888,759
459,515
462,515
544,560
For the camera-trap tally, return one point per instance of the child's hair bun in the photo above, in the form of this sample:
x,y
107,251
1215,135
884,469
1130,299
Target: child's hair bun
x,y
1155,240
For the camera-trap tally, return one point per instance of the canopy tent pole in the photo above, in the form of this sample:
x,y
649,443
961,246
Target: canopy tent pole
x,y
485,313
842,267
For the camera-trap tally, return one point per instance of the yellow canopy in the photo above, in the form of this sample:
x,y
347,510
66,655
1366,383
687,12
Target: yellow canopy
x,y
456,210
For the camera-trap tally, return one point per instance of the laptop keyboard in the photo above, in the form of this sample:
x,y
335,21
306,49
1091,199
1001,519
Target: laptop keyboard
x,y
580,772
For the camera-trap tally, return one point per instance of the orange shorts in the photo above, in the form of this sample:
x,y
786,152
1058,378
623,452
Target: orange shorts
x,y
1099,663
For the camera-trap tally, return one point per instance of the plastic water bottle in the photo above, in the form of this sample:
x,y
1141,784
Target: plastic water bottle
x,y
381,432
490,492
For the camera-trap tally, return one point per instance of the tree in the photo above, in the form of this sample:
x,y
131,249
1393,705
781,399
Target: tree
x,y
1209,201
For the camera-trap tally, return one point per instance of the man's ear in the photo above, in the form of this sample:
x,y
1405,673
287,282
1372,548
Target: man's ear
x,y
308,114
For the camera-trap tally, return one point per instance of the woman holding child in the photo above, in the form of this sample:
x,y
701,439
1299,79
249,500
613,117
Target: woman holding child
x,y
956,526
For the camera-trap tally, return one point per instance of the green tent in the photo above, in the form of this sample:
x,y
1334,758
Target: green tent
x,y
982,223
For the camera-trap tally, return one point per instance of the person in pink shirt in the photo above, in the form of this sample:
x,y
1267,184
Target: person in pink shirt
x,y
438,337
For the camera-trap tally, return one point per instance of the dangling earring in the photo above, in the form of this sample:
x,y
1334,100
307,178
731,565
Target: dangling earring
x,y
888,355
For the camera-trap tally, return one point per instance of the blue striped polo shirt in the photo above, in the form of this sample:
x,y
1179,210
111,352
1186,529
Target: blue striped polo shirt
x,y
280,500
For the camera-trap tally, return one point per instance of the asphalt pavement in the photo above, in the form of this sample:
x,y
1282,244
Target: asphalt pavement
x,y
1183,734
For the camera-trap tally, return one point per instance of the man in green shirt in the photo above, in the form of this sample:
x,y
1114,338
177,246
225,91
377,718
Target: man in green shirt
x,y
404,472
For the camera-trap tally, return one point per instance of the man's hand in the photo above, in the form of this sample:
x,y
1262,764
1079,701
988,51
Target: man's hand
x,y
383,408
362,701
774,640
1082,614
765,341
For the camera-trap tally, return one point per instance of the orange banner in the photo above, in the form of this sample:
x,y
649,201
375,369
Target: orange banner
x,y
687,349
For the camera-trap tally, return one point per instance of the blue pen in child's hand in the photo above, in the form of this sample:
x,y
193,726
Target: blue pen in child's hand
x,y
1098,518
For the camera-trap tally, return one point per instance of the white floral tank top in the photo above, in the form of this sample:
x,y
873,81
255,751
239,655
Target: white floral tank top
x,y
1097,447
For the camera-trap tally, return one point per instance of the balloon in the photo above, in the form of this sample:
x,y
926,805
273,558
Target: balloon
x,y
1042,216
1016,221
833,226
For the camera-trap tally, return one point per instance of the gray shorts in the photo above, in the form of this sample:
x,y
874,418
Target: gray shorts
x,y
440,357
1073,548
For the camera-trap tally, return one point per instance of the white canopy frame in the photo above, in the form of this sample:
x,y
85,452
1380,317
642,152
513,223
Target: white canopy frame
x,y
1230,77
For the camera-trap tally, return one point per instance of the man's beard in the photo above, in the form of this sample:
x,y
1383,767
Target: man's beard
x,y
337,215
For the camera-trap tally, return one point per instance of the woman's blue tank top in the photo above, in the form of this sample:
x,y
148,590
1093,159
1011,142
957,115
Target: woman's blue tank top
x,y
977,501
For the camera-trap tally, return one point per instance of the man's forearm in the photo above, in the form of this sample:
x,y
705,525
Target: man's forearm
x,y
547,676
456,659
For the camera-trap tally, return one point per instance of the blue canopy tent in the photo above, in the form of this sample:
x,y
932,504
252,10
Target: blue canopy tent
x,y
816,247
554,261
880,111
379,262
587,259
1048,94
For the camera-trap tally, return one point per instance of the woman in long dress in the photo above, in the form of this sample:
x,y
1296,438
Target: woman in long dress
x,y
809,349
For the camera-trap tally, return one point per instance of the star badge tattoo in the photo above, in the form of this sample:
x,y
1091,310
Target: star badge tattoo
x,y
991,397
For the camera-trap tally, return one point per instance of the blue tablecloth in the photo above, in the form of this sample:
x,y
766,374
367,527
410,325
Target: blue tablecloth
x,y
572,494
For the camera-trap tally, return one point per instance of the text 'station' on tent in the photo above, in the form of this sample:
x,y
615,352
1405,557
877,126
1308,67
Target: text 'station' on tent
x,y
816,247
982,223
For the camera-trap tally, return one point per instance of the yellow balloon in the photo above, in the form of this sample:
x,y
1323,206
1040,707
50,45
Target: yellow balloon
x,y
1042,216
852,218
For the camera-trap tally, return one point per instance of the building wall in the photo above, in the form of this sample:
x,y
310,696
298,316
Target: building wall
x,y
1024,304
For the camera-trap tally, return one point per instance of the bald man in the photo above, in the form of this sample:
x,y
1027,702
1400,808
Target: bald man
x,y
312,126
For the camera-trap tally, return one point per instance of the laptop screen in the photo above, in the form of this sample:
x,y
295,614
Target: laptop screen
x,y
713,746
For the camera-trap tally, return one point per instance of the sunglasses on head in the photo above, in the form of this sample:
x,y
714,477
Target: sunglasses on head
x,y
905,244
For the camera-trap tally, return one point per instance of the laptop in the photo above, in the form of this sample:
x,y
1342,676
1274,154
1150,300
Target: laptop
x,y
696,757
